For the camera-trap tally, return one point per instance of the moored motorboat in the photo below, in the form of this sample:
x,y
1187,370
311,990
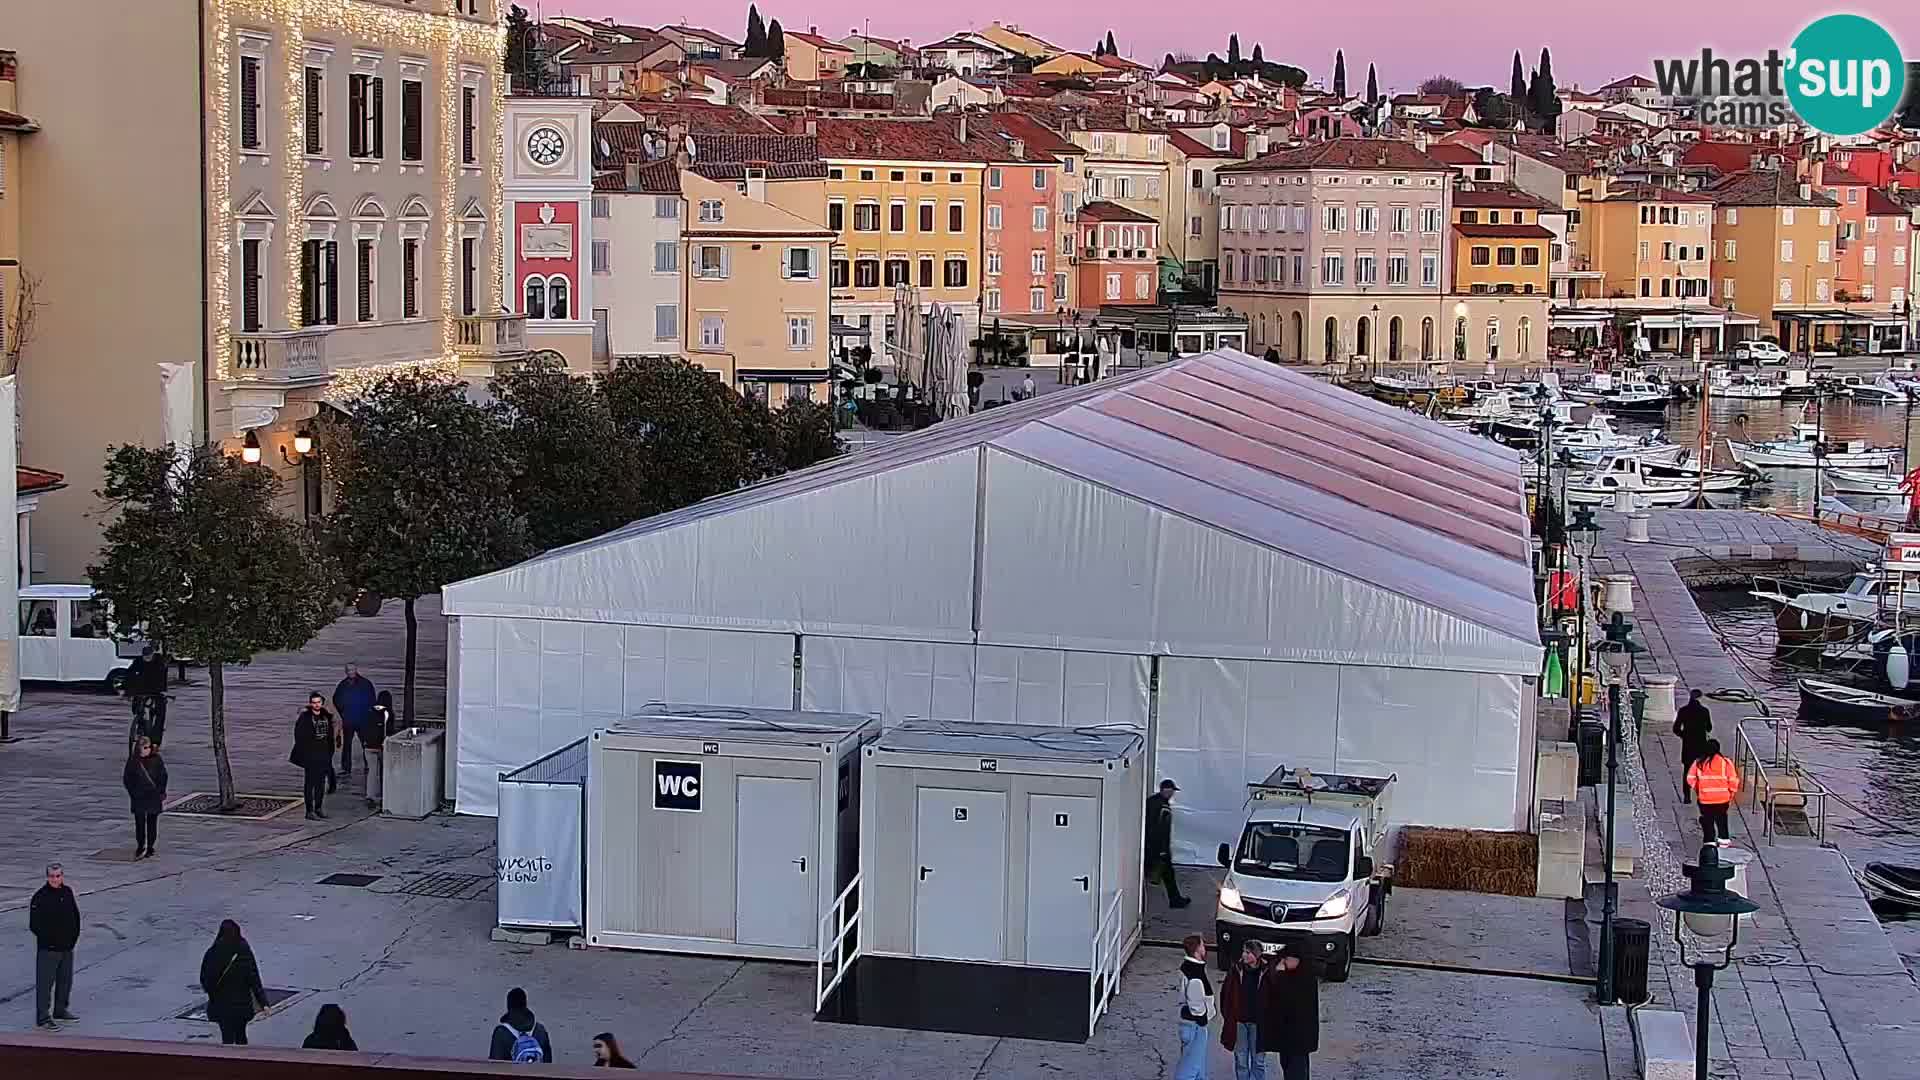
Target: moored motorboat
x,y
1806,450
1850,705
1882,391
1865,482
1896,888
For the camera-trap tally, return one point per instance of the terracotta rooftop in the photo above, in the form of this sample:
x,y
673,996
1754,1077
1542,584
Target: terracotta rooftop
x,y
816,41
626,52
1455,154
35,481
816,97
1504,232
696,117
1764,187
13,121
1500,196
1881,204
1654,193
1191,145
1344,154
656,178
1834,175
1035,134
704,34
1102,210
904,140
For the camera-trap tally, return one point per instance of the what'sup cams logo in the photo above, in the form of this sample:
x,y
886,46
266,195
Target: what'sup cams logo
x,y
1843,75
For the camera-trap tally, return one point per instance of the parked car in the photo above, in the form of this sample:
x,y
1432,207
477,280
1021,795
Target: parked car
x,y
1760,352
65,636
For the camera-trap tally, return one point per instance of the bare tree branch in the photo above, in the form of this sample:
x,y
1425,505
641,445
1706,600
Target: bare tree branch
x,y
19,323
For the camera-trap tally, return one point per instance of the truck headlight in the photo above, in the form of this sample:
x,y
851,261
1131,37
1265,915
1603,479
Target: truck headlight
x,y
1335,907
1230,898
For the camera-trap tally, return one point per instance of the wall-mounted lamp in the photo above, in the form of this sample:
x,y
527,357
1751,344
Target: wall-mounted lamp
x,y
250,449
302,447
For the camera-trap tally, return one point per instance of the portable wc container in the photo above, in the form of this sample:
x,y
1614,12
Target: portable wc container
x,y
1000,882
722,831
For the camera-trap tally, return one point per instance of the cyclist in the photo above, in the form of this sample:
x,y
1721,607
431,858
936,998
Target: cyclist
x,y
147,688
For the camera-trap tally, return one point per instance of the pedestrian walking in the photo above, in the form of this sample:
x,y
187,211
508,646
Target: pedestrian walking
x,y
1694,725
314,739
231,978
1160,842
1293,1010
1715,782
54,917
379,726
1243,1012
330,1030
518,1036
606,1052
1027,387
353,701
1196,1010
145,779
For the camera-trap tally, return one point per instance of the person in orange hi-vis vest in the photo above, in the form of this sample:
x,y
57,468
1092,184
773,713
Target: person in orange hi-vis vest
x,y
1715,782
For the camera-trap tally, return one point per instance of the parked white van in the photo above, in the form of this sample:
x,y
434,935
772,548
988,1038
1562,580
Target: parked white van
x,y
64,637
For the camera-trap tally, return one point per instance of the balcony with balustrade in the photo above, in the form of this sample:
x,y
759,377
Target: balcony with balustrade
x,y
281,357
490,337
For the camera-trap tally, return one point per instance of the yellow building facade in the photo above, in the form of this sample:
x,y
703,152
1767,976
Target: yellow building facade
x,y
1646,242
1500,247
1773,252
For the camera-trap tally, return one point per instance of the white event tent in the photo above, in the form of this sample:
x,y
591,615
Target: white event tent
x,y
1251,566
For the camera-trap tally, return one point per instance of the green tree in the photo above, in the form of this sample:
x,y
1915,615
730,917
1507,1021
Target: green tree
x,y
756,43
196,556
1543,100
1257,58
424,494
526,62
1373,85
575,477
1339,73
1233,49
802,434
1518,86
693,435
776,41
1111,51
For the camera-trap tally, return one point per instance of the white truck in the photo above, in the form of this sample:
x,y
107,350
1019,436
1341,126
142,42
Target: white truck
x,y
1305,868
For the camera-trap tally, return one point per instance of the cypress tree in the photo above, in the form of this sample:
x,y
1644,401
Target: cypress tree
x,y
1111,51
1518,91
1546,104
776,41
1339,73
1373,86
1233,48
1257,58
756,43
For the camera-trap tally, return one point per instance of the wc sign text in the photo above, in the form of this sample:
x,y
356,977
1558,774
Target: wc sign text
x,y
676,785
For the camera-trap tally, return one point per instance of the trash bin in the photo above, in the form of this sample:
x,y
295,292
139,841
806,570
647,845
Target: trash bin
x,y
1638,698
1631,940
412,761
1592,740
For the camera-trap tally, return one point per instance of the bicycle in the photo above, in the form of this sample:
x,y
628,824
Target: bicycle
x,y
149,718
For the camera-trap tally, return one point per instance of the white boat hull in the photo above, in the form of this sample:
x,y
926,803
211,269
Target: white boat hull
x,y
1770,456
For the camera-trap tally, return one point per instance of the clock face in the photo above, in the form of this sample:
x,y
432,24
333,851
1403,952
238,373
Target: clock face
x,y
545,145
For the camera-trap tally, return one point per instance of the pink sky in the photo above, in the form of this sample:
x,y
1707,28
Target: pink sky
x,y
1408,39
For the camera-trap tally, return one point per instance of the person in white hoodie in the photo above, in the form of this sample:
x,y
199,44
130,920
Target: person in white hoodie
x,y
1196,1010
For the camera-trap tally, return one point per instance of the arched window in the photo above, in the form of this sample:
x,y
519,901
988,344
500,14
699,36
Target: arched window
x,y
1363,340
1299,338
1426,338
536,297
1393,340
1260,330
1493,338
1333,340
1460,338
547,297
1526,338
557,298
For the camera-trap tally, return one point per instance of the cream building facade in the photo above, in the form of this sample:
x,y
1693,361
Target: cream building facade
x,y
318,205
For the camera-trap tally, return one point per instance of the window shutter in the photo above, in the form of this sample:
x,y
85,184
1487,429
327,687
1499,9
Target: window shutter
x,y
310,283
250,285
466,124
332,275
363,294
786,264
410,104
410,264
357,116
379,117
314,145
249,102
466,275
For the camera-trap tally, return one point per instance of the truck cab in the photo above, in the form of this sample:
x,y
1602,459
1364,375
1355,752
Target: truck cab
x,y
1305,869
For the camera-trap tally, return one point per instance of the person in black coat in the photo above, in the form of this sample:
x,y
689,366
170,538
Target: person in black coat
x,y
231,979
315,738
1159,832
1694,725
54,919
330,1030
1292,1011
145,779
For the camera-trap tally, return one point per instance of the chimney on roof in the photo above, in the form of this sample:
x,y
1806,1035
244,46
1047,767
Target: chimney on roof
x,y
1382,157
814,30
1018,147
962,127
812,127
1806,191
633,176
1133,120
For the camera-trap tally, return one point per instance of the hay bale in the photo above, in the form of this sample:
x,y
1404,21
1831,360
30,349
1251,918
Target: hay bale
x,y
1472,860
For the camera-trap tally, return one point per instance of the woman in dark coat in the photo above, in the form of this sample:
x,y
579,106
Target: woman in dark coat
x,y
232,981
330,1030
145,779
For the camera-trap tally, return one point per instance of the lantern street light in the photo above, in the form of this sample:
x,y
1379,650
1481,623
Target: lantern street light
x,y
1583,536
1617,653
250,448
1707,894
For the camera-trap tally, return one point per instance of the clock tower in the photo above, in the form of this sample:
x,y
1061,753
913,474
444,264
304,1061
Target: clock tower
x,y
549,191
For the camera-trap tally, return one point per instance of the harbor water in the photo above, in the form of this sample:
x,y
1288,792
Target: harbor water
x,y
1874,777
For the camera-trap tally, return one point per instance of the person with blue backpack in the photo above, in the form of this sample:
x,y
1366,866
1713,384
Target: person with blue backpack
x,y
518,1036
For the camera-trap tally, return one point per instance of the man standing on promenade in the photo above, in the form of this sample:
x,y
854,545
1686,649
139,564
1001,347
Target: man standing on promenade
x,y
353,704
1715,781
1160,842
54,918
1694,725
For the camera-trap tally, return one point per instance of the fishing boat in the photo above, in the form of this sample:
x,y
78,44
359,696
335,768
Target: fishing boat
x,y
1740,386
1628,397
1850,705
1891,888
1607,488
1404,389
1882,391
1806,450
1805,617
1864,482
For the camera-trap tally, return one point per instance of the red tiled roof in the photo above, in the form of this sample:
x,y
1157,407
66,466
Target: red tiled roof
x,y
1505,232
15,122
1654,193
704,34
903,140
1103,210
1035,134
815,40
1839,177
656,178
694,116
1194,148
1500,196
1758,187
1118,63
626,52
1455,154
1732,157
816,98
1881,204
1345,154
1625,81
34,481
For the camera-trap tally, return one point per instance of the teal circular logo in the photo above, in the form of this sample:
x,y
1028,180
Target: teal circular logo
x,y
1845,75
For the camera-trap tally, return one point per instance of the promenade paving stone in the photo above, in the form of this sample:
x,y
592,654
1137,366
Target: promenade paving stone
x,y
1817,989
419,974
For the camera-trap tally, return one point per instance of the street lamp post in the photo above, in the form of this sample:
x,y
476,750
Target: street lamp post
x,y
1582,536
1707,894
1618,653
